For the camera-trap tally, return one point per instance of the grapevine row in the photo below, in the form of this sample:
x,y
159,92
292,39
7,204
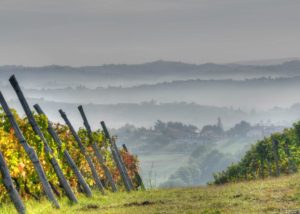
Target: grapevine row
x,y
38,157
270,157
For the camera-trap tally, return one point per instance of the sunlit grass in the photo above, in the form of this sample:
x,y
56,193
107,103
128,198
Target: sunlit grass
x,y
276,195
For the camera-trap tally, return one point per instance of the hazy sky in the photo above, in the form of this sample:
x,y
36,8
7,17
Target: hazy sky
x,y
93,32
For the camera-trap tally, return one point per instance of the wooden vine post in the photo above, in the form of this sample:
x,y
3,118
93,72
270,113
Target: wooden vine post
x,y
62,179
261,150
291,165
276,156
66,154
83,151
96,149
113,141
262,166
30,152
118,160
9,186
136,173
269,167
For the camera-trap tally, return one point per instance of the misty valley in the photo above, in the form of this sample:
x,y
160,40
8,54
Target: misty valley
x,y
143,107
184,121
173,154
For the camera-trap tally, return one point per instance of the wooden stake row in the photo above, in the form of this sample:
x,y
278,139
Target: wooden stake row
x,y
30,152
62,179
37,165
97,150
67,155
83,151
117,158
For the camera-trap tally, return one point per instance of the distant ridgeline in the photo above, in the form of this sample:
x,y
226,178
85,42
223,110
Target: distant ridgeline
x,y
272,156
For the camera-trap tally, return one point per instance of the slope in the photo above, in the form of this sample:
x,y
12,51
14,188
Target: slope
x,y
273,195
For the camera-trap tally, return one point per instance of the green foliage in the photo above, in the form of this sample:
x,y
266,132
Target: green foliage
x,y
22,170
260,160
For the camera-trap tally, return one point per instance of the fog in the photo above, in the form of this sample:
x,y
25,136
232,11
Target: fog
x,y
172,106
75,32
198,81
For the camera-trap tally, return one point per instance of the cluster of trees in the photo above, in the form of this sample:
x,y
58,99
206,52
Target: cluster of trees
x,y
22,170
216,150
177,136
162,135
272,156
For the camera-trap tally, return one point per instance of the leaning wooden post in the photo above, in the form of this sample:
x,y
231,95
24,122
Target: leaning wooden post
x,y
67,155
276,156
269,167
96,149
136,173
10,188
260,149
113,140
262,165
114,151
62,179
30,152
291,165
83,151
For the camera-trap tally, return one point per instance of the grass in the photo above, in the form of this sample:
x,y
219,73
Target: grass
x,y
275,195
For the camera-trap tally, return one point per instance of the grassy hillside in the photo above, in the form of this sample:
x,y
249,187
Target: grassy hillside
x,y
274,195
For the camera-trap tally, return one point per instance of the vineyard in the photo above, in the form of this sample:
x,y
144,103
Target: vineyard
x,y
40,158
270,157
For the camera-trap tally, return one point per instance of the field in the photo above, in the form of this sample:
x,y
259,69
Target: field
x,y
276,195
158,167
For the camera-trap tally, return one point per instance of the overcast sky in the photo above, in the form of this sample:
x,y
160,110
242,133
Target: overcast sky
x,y
94,32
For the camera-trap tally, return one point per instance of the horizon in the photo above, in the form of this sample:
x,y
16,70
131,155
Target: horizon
x,y
258,62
